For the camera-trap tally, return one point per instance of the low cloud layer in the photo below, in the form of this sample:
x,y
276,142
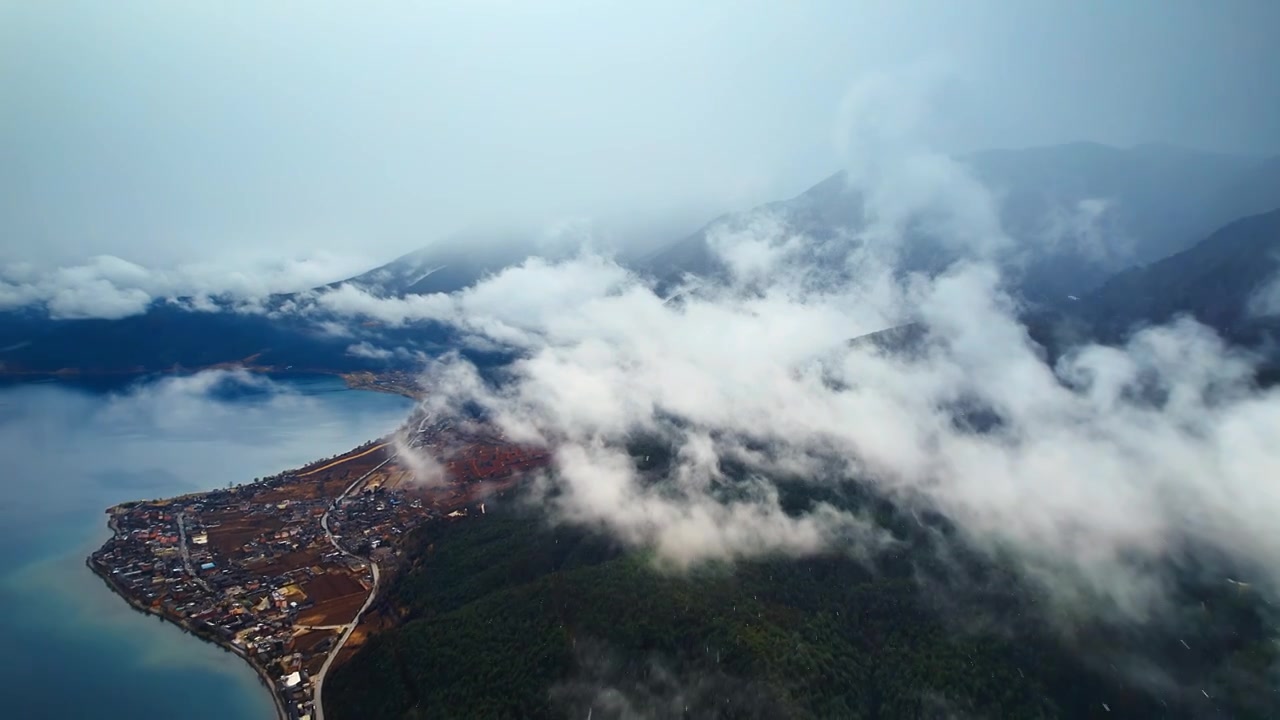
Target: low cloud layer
x,y
109,287
1097,474
78,452
185,403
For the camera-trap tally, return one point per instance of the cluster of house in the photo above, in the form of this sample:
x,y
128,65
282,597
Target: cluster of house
x,y
247,597
145,559
372,521
241,566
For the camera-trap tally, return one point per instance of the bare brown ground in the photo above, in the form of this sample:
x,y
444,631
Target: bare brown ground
x,y
234,529
287,562
313,665
375,451
327,485
345,653
337,611
309,639
371,623
331,585
451,497
397,478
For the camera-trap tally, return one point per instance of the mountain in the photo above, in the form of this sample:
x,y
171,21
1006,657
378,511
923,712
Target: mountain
x,y
509,615
416,272
1255,191
1222,281
1078,213
822,211
446,266
174,334
1160,198
168,337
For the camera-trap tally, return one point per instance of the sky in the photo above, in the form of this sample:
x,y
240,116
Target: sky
x,y
325,140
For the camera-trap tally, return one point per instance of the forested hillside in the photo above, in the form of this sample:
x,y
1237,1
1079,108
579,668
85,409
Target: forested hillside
x,y
508,617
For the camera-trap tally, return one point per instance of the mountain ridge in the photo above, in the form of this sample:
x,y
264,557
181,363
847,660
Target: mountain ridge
x,y
170,334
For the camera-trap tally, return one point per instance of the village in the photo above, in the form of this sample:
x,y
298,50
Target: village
x,y
280,570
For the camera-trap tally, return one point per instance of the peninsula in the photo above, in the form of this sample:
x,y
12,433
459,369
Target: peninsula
x,y
281,569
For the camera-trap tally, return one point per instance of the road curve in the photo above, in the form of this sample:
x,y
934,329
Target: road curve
x,y
373,591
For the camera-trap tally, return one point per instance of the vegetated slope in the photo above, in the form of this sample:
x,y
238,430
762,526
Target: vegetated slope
x,y
1217,281
165,336
169,336
507,617
173,334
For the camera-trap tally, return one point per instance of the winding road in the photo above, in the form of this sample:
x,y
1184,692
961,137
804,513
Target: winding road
x,y
373,591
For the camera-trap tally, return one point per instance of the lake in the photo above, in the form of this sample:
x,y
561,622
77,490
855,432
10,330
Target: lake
x,y
70,647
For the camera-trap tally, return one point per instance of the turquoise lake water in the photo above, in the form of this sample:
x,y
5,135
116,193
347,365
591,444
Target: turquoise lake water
x,y
69,648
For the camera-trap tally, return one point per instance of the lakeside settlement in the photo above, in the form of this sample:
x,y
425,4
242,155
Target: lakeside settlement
x,y
280,570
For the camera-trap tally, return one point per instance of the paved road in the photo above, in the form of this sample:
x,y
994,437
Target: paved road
x,y
373,591
324,669
186,552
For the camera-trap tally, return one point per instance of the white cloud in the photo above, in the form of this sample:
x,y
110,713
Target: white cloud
x,y
505,307
96,299
1096,474
1090,229
109,287
1265,301
424,469
188,403
365,349
372,352
348,300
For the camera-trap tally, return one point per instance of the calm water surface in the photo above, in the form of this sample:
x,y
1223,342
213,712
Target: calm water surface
x,y
69,647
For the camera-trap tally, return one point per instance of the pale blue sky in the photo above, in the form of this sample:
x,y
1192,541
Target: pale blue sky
x,y
169,132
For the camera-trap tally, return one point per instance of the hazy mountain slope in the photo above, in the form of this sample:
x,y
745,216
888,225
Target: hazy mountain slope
x,y
1255,191
170,336
1160,198
822,211
1216,281
443,267
165,337
1078,212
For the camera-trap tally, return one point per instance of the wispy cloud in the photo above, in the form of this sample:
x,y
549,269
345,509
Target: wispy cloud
x,y
1098,474
109,287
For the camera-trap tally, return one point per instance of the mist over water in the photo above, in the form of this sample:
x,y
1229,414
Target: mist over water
x,y
74,649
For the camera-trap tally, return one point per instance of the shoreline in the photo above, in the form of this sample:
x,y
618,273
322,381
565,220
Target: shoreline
x,y
284,579
282,697
261,672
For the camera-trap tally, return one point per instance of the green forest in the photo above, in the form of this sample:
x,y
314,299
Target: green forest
x,y
510,617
